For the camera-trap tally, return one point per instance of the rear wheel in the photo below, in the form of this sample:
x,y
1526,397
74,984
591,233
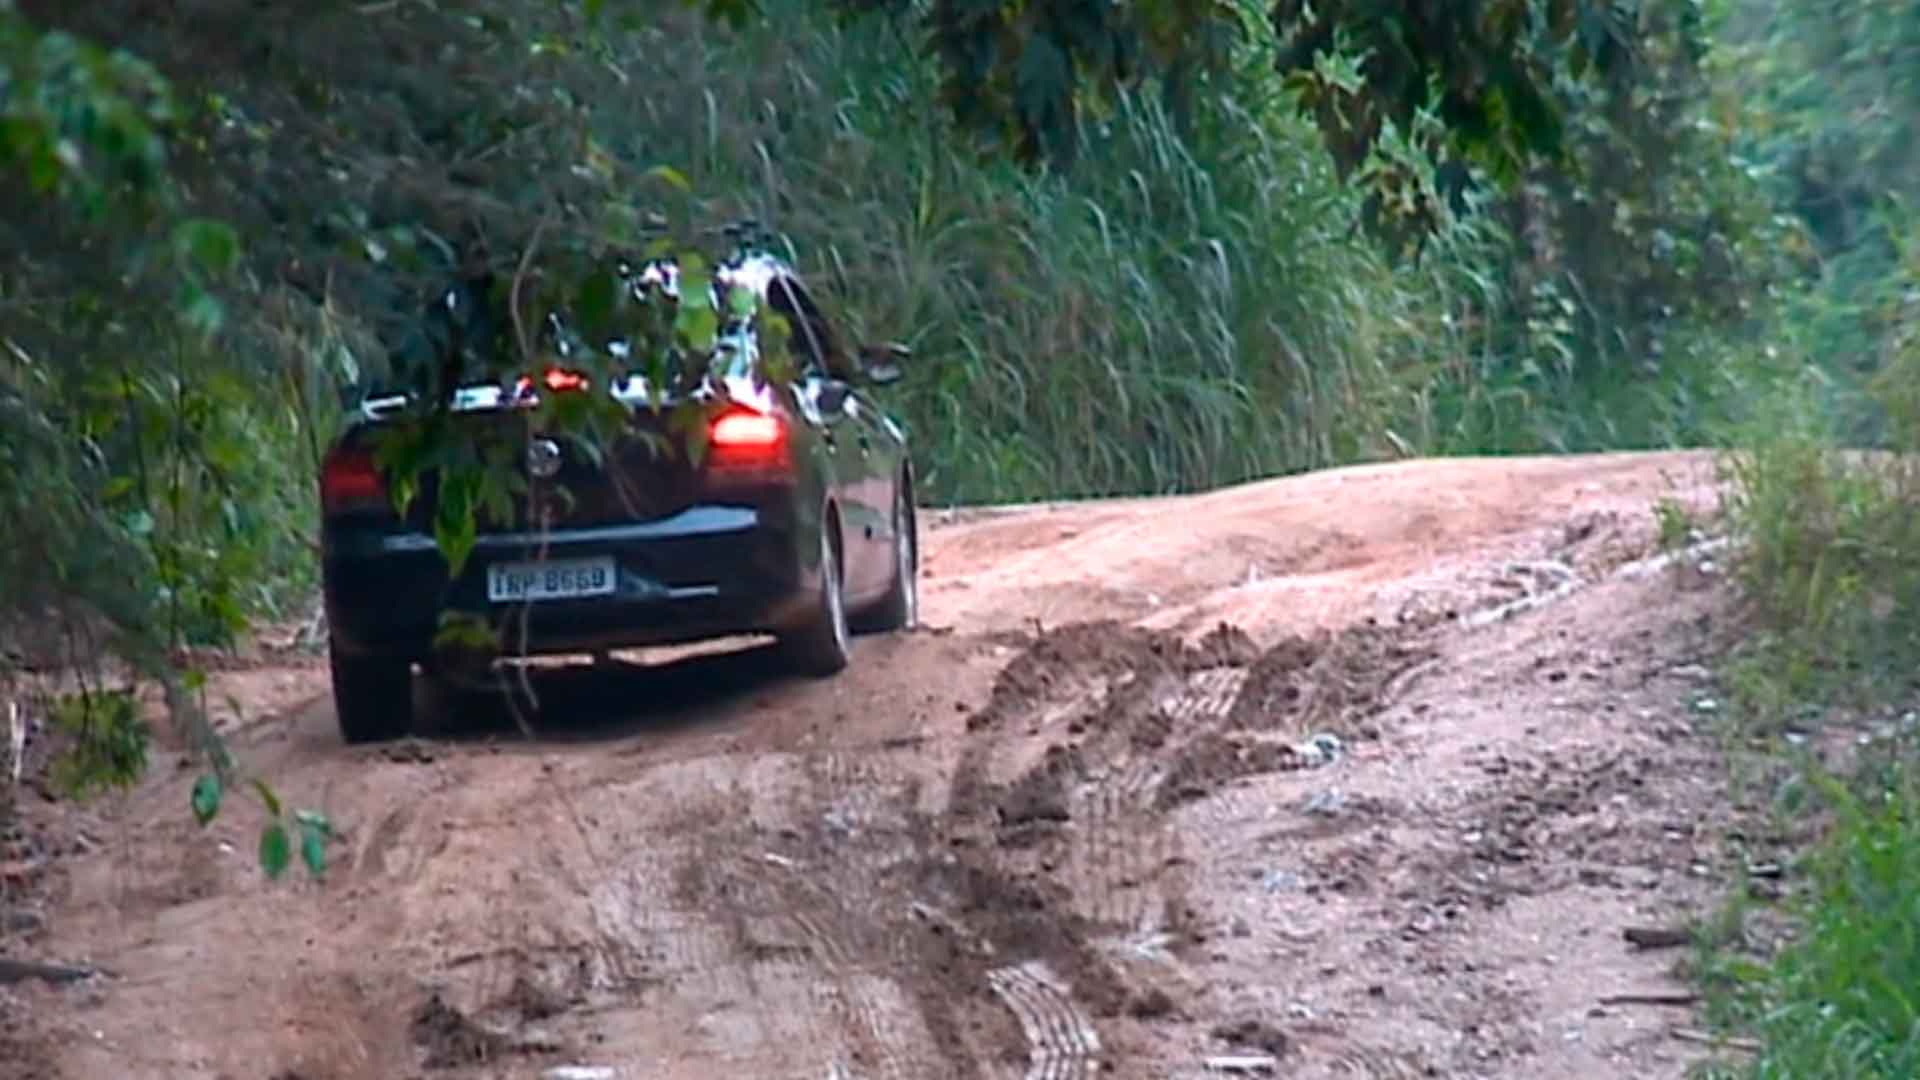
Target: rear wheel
x,y
899,609
372,698
820,647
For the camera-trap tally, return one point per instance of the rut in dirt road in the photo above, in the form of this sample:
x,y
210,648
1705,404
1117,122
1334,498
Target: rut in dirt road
x,y
857,913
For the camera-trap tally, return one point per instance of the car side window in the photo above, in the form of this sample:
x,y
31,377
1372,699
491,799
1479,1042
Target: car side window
x,y
816,349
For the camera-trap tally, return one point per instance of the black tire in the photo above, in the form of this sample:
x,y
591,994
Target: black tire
x,y
372,699
899,609
821,647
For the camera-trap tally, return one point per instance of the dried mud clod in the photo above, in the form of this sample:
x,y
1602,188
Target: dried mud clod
x,y
1251,1033
532,1002
450,1039
1225,645
1039,799
1151,730
1329,682
1216,758
1153,1004
1323,682
1063,662
1059,661
1020,917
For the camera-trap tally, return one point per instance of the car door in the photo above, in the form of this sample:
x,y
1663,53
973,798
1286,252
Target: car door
x,y
872,465
825,382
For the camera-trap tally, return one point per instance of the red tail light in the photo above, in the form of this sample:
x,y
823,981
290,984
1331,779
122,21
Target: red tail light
x,y
748,429
746,439
350,481
558,379
554,378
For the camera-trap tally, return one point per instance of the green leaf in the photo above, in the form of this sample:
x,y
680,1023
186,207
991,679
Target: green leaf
x,y
670,175
690,422
276,849
206,798
313,846
268,797
314,819
43,167
214,245
203,312
454,534
696,327
455,529
595,303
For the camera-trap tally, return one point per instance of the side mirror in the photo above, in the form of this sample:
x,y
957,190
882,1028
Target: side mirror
x,y
881,364
833,396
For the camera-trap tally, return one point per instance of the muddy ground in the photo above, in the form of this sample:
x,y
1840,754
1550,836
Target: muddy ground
x,y
1355,774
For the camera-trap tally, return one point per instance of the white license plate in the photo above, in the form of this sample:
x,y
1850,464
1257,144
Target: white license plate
x,y
556,579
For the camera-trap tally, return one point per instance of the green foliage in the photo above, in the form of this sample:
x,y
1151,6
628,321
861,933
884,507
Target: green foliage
x,y
206,797
1838,1001
276,838
1644,277
1829,107
1028,75
1489,68
1836,105
1832,540
1675,524
276,848
1176,313
106,742
141,490
80,123
1824,495
315,833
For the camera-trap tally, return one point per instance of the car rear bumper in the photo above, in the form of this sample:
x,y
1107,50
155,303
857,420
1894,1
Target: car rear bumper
x,y
708,571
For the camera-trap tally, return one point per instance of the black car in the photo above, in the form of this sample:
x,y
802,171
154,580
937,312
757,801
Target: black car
x,y
797,521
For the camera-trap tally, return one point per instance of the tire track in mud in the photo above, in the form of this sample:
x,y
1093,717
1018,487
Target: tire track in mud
x,y
1077,838
1172,727
756,896
863,912
769,953
1376,1063
814,868
1124,854
1061,1041
868,807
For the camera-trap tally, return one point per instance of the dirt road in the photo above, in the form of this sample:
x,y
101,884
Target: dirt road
x,y
1251,774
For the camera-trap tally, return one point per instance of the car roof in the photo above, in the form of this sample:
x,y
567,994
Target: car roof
x,y
754,271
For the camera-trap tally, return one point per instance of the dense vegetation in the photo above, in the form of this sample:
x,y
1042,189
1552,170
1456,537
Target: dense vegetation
x,y
1140,248
223,219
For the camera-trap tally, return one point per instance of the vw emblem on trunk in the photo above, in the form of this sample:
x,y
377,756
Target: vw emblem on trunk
x,y
543,459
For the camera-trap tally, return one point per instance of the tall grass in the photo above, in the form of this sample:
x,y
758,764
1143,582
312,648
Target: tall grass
x,y
1831,559
1839,1001
1830,566
1176,313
